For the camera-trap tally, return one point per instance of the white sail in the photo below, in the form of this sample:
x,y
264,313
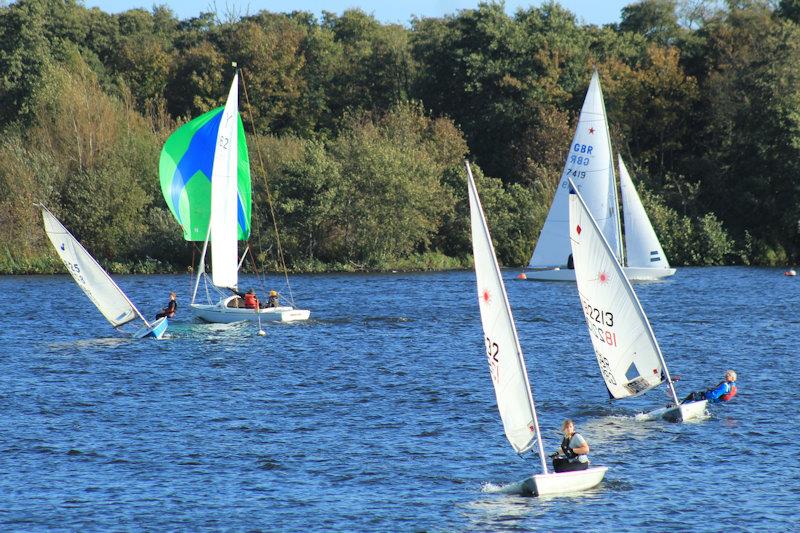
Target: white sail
x,y
506,364
641,242
224,195
89,275
629,357
590,166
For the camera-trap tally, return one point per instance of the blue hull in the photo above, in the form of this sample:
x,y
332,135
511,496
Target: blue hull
x,y
156,330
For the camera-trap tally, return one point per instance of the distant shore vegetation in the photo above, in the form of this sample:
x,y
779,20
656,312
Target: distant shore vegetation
x,y
359,130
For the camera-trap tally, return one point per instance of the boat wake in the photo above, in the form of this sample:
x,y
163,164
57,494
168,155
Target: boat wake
x,y
518,487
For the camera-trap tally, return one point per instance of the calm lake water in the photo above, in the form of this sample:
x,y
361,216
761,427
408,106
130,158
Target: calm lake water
x,y
379,415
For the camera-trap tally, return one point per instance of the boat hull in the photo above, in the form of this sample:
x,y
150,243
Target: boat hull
x,y
155,330
565,482
681,413
221,314
632,273
647,274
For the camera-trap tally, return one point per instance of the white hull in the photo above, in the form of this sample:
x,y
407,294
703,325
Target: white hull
x,y
221,313
632,273
681,413
647,274
551,274
565,482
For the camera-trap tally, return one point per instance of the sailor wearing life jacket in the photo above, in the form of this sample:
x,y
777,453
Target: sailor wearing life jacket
x,y
571,455
723,392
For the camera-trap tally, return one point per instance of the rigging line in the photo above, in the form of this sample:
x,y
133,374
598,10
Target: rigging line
x,y
259,277
269,195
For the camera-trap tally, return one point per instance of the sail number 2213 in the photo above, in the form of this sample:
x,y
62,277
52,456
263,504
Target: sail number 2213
x,y
598,320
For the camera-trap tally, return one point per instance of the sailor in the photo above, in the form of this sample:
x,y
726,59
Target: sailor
x,y
723,392
170,309
273,299
250,299
572,454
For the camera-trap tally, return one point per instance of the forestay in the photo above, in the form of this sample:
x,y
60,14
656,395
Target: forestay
x,y
506,364
589,165
89,275
641,243
224,195
627,352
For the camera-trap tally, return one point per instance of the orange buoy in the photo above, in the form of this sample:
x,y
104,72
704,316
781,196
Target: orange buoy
x,y
522,275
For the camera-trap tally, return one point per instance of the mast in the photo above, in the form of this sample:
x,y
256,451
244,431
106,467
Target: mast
x,y
520,359
620,251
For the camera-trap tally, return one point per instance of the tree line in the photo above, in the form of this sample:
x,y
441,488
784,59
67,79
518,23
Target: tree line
x,y
358,130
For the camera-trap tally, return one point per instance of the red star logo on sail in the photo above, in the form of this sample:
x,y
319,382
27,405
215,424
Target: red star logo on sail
x,y
591,131
578,229
485,296
603,277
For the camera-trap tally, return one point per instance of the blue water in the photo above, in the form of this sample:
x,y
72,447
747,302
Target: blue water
x,y
378,414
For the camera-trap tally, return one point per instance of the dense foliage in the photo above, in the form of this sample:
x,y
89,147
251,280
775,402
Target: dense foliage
x,y
358,130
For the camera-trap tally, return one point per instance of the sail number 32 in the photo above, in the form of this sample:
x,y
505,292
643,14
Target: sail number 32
x,y
493,355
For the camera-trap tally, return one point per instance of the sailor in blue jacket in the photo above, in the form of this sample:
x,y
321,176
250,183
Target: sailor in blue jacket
x,y
723,392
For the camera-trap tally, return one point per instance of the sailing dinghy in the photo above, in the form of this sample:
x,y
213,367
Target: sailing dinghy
x,y
590,165
627,352
507,364
205,179
96,283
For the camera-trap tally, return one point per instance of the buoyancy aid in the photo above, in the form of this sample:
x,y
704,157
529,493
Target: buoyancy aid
x,y
250,301
730,394
566,449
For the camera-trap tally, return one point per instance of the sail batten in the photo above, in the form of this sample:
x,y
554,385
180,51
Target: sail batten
x,y
503,351
625,346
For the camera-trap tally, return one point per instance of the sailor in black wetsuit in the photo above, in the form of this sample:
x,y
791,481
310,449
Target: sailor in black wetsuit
x,y
170,309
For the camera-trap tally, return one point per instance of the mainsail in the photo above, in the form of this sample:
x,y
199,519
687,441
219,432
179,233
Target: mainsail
x,y
506,363
224,199
89,275
629,357
641,242
590,166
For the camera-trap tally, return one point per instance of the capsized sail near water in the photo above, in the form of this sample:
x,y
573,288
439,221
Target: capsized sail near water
x,y
92,279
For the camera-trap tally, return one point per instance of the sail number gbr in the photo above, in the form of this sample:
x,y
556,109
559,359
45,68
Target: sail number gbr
x,y
598,320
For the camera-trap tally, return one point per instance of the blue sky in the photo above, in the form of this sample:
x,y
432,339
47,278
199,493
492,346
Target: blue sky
x,y
588,11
